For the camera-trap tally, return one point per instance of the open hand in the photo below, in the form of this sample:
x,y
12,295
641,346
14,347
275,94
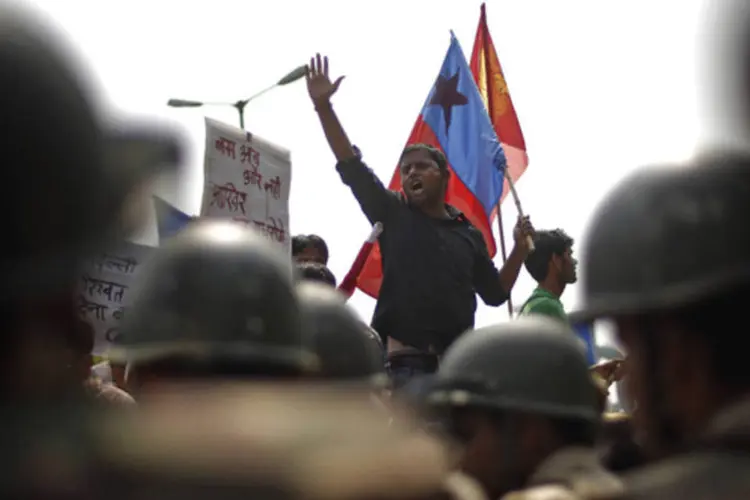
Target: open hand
x,y
319,85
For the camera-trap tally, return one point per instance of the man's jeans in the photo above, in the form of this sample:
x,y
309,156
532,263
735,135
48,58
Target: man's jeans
x,y
406,364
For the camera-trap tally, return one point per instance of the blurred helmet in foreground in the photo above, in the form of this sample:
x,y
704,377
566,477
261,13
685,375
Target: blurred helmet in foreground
x,y
678,235
347,348
67,177
217,294
532,365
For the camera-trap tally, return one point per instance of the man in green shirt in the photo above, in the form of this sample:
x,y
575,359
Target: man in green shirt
x,y
553,267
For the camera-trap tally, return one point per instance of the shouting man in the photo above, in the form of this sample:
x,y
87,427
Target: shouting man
x,y
434,260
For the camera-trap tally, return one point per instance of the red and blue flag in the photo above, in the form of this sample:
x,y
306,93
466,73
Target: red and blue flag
x,y
454,120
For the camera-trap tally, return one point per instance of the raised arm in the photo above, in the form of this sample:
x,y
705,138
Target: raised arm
x,y
376,201
493,286
321,90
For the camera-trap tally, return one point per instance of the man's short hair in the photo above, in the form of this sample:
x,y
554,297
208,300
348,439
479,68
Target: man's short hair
x,y
546,244
435,154
302,241
314,271
299,243
319,244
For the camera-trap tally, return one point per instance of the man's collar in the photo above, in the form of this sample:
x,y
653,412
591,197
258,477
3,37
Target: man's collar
x,y
546,293
454,213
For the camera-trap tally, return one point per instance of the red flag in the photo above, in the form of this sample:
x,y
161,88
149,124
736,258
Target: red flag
x,y
471,199
349,283
485,66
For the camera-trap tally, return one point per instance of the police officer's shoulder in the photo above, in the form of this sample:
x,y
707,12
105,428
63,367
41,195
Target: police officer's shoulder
x,y
309,442
704,474
545,492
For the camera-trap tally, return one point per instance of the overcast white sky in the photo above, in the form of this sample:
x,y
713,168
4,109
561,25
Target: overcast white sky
x,y
600,88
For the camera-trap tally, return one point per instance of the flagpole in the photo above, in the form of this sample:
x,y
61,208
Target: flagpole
x,y
490,111
503,252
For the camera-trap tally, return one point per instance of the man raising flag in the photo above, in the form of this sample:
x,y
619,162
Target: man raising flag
x,y
434,259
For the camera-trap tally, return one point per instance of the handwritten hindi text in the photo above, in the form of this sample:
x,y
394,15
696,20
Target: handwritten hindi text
x,y
248,181
104,290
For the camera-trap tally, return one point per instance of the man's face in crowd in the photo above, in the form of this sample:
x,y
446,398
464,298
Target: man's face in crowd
x,y
566,266
422,180
485,451
310,254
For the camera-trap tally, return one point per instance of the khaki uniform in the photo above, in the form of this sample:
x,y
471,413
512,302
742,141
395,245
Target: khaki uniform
x,y
270,442
718,470
571,473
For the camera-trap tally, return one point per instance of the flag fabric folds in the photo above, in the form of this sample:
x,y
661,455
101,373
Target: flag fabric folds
x,y
488,75
169,219
454,120
349,283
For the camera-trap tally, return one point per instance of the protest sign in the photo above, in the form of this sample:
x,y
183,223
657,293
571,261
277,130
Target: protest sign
x,y
106,290
247,180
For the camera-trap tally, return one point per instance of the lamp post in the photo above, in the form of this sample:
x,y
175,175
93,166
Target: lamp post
x,y
290,77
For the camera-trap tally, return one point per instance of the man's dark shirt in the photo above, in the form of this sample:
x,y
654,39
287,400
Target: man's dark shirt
x,y
432,268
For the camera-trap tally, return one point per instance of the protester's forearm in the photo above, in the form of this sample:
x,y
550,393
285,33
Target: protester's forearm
x,y
511,268
334,132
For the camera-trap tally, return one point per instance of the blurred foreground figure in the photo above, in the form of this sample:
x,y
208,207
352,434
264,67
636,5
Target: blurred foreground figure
x,y
348,350
678,297
618,447
66,187
520,399
68,190
351,353
271,442
216,302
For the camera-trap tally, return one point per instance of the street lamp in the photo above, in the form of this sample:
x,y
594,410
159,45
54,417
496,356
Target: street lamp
x,y
290,77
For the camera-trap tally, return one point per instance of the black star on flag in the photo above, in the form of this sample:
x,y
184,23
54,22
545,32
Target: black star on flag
x,y
446,96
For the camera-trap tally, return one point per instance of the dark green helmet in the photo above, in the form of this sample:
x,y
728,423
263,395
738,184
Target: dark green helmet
x,y
532,364
217,292
66,177
348,349
670,236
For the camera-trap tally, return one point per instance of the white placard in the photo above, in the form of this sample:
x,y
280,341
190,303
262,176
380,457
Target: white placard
x,y
105,290
247,180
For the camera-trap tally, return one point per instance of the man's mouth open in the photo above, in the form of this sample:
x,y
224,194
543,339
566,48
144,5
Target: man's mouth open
x,y
416,187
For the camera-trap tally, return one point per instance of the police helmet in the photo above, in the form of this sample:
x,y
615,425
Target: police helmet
x,y
532,365
217,292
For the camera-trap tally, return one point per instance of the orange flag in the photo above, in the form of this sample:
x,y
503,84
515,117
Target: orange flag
x,y
485,66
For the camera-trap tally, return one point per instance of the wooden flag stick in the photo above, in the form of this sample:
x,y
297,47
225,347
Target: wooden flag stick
x,y
501,235
517,201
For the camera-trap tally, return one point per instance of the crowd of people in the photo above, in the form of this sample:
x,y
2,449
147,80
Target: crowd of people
x,y
245,375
